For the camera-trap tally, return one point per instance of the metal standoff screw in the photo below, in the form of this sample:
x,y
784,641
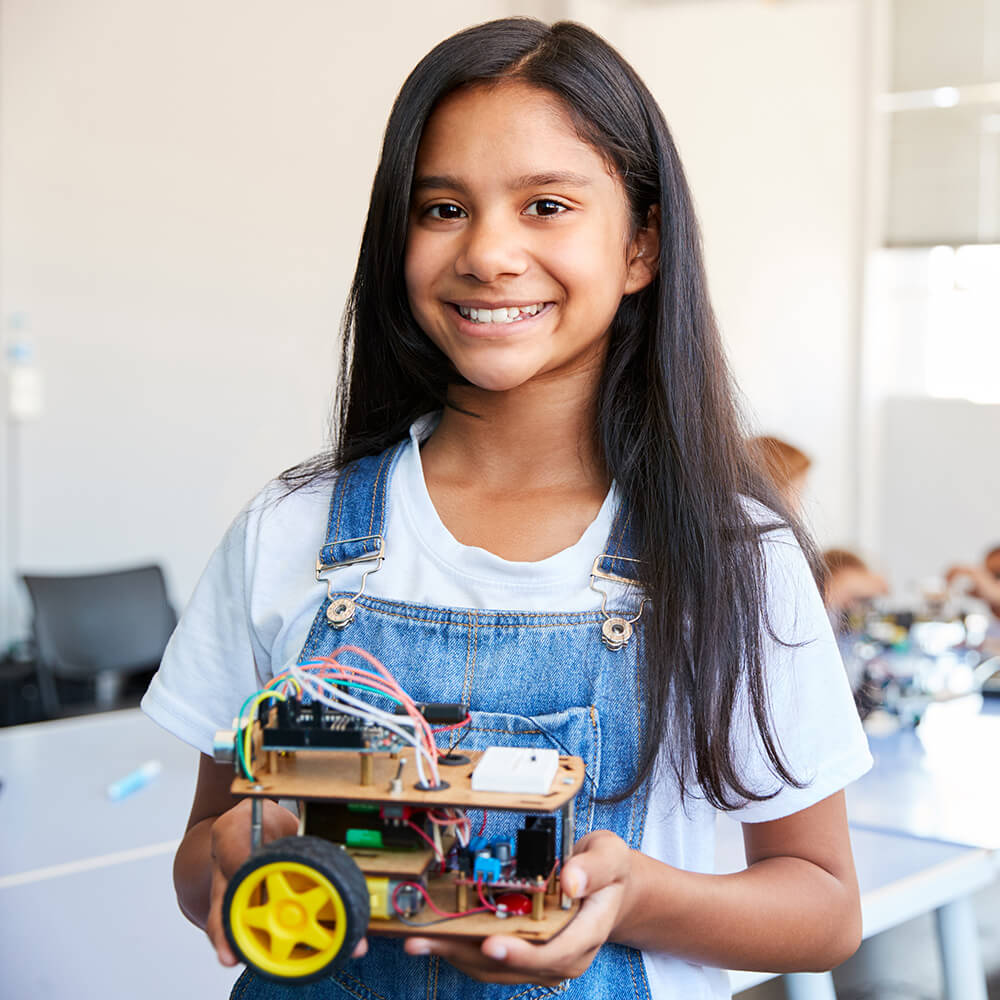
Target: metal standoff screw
x,y
396,785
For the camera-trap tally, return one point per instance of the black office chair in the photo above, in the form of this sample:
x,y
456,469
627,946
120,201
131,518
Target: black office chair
x,y
103,626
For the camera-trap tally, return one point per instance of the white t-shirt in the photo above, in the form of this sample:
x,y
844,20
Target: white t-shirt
x,y
252,609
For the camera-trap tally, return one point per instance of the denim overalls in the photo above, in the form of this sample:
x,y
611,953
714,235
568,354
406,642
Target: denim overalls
x,y
528,679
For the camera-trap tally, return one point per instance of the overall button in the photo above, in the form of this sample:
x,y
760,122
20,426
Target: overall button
x,y
340,612
615,632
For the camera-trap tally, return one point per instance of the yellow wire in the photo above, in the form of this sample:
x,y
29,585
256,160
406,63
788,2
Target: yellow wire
x,y
262,696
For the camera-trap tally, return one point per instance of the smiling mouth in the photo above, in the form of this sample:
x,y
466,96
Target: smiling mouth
x,y
501,315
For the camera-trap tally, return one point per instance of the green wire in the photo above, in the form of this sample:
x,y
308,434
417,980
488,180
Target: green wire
x,y
364,687
239,736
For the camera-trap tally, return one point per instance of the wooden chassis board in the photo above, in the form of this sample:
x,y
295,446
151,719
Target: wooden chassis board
x,y
336,776
479,925
395,864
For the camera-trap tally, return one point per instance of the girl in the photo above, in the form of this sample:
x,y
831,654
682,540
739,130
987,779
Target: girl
x,y
534,407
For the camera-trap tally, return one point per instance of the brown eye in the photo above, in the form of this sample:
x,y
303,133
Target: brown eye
x,y
545,207
446,212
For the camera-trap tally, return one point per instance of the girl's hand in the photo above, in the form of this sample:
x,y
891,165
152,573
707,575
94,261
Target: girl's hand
x,y
230,847
599,873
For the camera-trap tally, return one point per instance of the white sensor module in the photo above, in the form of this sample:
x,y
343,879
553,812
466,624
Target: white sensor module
x,y
521,770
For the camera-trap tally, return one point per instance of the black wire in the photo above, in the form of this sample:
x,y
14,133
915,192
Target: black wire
x,y
555,739
439,920
464,731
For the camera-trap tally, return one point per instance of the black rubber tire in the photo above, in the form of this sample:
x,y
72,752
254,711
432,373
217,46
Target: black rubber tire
x,y
336,865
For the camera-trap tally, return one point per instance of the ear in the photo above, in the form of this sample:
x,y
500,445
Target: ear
x,y
644,253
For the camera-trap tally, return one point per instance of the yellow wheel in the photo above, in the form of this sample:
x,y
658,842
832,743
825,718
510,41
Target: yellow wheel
x,y
296,909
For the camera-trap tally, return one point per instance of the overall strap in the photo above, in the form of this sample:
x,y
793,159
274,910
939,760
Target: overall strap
x,y
355,531
618,561
618,565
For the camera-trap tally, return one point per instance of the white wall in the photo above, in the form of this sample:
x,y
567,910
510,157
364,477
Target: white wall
x,y
766,102
939,484
183,187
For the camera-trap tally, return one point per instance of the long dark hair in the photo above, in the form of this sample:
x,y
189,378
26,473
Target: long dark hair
x,y
668,428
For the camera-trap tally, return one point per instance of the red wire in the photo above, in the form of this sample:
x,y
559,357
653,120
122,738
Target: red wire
x,y
482,826
408,702
482,898
383,680
555,868
433,846
430,902
461,821
457,725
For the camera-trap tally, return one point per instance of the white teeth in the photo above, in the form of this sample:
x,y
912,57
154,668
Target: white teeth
x,y
505,314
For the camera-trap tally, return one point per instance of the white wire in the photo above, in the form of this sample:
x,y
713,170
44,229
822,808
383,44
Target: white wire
x,y
387,719
364,715
328,694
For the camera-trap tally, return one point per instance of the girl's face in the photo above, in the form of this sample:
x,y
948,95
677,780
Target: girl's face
x,y
519,247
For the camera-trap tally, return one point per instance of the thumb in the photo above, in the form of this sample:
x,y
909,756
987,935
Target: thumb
x,y
599,859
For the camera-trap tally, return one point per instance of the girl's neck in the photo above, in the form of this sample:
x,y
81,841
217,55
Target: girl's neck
x,y
539,435
523,477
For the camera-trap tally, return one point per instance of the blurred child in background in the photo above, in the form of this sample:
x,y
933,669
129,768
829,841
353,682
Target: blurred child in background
x,y
784,464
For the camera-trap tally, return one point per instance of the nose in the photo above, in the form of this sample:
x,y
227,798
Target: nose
x,y
490,250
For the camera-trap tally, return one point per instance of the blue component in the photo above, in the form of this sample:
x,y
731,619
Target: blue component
x,y
478,844
487,869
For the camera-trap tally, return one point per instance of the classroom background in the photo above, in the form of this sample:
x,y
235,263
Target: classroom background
x,y
182,191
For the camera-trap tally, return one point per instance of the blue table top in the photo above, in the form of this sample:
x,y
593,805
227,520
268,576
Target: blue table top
x,y
881,858
54,807
937,781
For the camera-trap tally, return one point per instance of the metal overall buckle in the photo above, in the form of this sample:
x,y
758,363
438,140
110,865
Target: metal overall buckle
x,y
340,611
615,630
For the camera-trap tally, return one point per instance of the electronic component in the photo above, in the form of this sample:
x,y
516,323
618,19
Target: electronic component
x,y
366,826
439,713
302,725
370,833
536,847
388,897
516,904
502,849
487,868
519,770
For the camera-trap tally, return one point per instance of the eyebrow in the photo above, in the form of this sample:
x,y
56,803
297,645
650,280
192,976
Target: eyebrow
x,y
547,179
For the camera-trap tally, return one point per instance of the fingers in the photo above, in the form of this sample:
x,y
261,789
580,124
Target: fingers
x,y
598,873
213,926
230,847
469,957
569,954
508,959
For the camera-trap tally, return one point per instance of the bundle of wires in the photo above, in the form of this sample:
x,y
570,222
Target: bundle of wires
x,y
324,680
